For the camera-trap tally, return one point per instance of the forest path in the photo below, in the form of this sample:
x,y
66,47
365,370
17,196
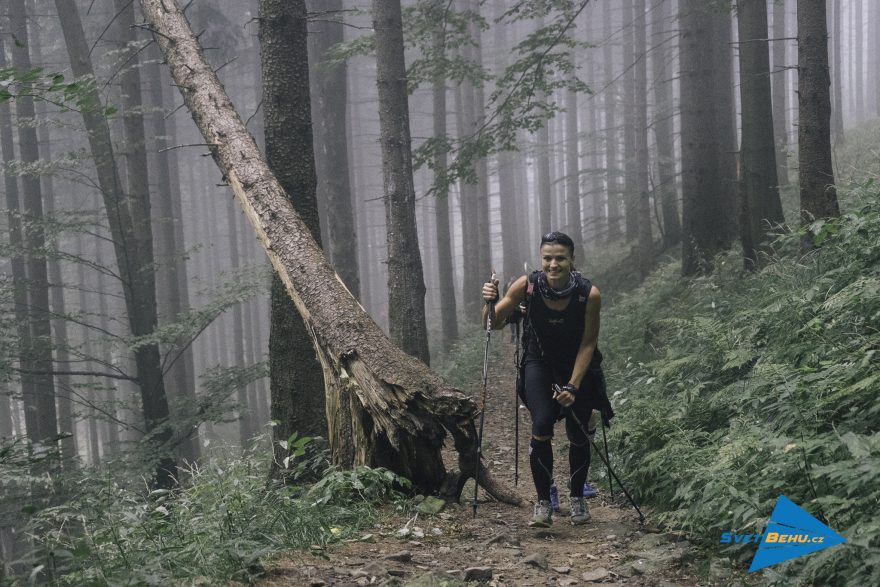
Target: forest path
x,y
497,548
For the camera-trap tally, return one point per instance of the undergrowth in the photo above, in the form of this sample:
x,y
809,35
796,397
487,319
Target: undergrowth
x,y
735,388
219,527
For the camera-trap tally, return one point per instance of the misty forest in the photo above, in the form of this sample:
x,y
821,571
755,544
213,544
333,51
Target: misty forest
x,y
241,272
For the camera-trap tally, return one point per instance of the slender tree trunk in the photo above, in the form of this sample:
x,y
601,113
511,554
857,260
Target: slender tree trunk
x,y
643,204
406,285
778,74
816,174
468,202
666,192
448,312
16,261
484,248
245,409
171,275
836,68
332,163
573,174
758,147
631,170
724,129
130,231
400,410
44,419
858,87
296,379
612,172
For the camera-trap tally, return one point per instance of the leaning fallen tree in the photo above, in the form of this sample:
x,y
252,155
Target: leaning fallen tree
x,y
384,407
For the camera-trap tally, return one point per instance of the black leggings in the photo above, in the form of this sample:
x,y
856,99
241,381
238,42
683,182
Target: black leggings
x,y
545,411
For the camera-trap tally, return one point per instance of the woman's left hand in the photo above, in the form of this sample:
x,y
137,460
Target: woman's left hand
x,y
564,395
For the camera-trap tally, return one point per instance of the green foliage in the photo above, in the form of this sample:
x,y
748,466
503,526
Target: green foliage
x,y
734,388
218,528
78,95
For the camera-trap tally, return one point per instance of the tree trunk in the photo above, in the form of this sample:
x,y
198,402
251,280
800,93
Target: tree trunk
x,y
484,248
16,261
399,408
130,231
573,222
780,100
816,174
332,165
836,68
612,172
631,170
43,420
758,147
406,284
705,194
296,379
858,81
448,311
171,275
643,203
666,190
724,128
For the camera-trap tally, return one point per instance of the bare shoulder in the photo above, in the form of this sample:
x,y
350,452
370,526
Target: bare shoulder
x,y
517,291
594,298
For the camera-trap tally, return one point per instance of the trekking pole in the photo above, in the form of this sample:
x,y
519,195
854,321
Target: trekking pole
x,y
604,459
516,409
483,397
605,442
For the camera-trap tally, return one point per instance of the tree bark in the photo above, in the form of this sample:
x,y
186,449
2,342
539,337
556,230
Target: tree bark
x,y
406,284
780,100
16,261
705,193
666,190
724,128
643,203
296,378
130,231
630,163
171,275
448,311
399,408
816,174
836,69
42,419
609,103
758,147
332,164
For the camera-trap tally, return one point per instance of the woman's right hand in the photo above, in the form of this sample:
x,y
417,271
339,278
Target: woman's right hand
x,y
490,291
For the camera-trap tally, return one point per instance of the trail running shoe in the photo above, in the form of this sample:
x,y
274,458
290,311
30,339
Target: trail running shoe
x,y
554,498
542,517
580,514
589,491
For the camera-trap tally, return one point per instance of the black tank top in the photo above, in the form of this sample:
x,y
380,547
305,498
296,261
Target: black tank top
x,y
555,335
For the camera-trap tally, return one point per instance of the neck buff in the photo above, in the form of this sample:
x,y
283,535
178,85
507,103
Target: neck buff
x,y
557,294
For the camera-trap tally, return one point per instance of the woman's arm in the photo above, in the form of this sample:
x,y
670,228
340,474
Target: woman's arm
x,y
590,339
516,293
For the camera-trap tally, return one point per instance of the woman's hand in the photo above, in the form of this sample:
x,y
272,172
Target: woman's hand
x,y
490,291
565,394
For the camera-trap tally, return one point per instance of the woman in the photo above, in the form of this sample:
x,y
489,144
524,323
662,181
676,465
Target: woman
x,y
560,368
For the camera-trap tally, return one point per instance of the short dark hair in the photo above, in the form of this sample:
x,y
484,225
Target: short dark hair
x,y
559,238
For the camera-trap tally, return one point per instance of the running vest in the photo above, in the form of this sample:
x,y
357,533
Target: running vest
x,y
555,335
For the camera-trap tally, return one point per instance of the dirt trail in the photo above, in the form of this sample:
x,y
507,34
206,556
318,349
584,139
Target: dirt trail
x,y
497,548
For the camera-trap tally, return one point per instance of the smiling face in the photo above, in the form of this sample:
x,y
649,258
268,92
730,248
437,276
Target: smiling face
x,y
556,261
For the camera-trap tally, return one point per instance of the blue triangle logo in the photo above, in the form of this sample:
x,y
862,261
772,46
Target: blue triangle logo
x,y
792,532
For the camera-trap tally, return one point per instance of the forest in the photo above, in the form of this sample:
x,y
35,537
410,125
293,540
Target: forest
x,y
240,286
